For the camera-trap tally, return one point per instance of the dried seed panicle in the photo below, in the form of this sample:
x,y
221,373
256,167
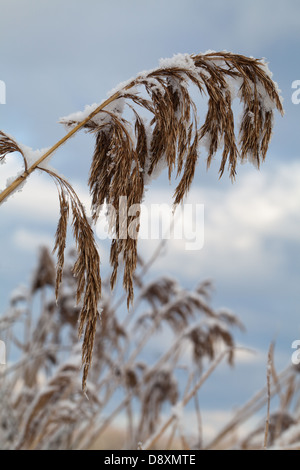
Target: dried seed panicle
x,y
128,154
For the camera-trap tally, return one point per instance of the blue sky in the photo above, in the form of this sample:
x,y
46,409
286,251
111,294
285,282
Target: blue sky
x,y
58,56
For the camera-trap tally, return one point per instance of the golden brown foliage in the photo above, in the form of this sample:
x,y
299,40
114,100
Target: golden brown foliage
x,y
42,404
128,154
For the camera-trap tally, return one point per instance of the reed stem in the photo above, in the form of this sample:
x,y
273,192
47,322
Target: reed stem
x,y
27,172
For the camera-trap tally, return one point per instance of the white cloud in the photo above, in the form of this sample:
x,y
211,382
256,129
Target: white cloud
x,y
38,199
248,226
28,240
215,420
241,223
244,356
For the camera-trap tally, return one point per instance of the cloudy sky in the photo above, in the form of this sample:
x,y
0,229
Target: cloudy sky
x,y
58,56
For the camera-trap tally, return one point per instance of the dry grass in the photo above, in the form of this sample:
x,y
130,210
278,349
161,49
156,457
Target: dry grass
x,y
128,154
42,404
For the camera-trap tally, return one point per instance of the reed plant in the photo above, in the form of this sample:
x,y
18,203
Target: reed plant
x,y
42,404
130,152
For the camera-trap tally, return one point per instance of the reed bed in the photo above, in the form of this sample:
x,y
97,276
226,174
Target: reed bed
x,y
129,153
42,403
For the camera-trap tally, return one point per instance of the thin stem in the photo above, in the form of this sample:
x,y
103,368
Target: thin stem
x,y
153,439
252,406
18,181
269,372
171,438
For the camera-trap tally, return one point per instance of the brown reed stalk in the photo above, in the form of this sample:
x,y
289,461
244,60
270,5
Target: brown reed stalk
x,y
249,409
128,154
269,373
49,412
164,426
